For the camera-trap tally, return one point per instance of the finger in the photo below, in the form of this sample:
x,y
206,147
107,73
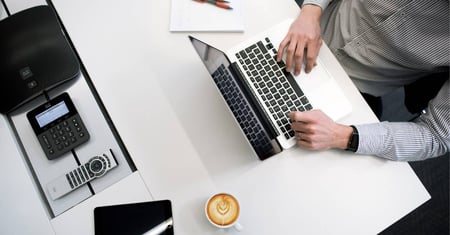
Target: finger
x,y
304,140
299,54
305,116
298,61
295,116
298,135
305,144
311,55
282,47
309,63
301,128
290,54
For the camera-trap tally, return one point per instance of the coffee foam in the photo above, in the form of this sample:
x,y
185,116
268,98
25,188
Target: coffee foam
x,y
223,209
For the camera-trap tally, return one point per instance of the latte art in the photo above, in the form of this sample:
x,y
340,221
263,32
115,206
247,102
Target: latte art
x,y
223,209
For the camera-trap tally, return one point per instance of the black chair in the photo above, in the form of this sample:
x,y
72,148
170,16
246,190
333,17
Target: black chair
x,y
420,92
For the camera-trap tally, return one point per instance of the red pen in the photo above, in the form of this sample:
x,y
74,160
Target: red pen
x,y
219,3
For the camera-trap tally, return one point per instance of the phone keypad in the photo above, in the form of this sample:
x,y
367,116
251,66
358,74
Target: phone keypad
x,y
63,137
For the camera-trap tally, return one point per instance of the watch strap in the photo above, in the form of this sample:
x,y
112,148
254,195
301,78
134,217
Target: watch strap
x,y
353,142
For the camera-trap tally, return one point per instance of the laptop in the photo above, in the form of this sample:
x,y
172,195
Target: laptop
x,y
261,93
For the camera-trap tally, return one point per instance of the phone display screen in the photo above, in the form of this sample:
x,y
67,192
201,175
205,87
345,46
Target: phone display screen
x,y
52,114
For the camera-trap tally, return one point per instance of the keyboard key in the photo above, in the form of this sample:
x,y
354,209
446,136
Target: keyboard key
x,y
243,54
262,47
304,100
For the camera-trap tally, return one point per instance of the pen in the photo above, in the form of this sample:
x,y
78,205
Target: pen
x,y
219,3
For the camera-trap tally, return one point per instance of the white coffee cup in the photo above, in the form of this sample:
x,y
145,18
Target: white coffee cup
x,y
222,210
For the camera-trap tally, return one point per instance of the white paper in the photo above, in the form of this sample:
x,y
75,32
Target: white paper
x,y
189,15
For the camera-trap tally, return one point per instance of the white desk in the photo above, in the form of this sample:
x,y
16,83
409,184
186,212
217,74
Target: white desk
x,y
153,85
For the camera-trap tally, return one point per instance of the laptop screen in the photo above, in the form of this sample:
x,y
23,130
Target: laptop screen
x,y
230,87
211,57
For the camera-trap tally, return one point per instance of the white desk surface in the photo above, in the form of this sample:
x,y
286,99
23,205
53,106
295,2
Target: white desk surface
x,y
187,146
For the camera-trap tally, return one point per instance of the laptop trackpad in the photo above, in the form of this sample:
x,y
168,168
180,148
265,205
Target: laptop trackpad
x,y
324,93
330,100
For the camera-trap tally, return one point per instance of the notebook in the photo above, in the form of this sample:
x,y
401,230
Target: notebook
x,y
260,93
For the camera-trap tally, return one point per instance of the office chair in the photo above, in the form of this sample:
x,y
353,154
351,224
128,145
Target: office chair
x,y
420,92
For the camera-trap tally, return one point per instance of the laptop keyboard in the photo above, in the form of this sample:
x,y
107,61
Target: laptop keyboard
x,y
276,87
242,111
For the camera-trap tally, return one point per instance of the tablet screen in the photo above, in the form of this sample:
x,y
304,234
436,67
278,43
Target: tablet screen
x,y
153,217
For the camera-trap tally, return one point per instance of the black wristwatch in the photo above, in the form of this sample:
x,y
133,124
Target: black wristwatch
x,y
353,142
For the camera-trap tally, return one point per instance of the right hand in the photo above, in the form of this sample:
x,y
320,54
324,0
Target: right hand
x,y
304,36
314,130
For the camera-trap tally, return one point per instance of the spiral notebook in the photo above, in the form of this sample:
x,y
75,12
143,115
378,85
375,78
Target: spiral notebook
x,y
194,16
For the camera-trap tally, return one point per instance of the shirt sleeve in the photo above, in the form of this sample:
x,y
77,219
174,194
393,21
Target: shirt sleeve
x,y
428,136
321,3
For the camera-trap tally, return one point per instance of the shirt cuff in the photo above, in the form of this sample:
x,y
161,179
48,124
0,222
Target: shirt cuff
x,y
321,3
371,138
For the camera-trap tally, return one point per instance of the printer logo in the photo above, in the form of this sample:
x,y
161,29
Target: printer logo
x,y
25,73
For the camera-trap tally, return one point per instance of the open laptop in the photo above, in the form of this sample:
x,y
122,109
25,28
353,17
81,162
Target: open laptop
x,y
261,94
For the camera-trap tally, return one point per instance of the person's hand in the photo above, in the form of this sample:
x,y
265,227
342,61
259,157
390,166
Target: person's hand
x,y
303,40
316,131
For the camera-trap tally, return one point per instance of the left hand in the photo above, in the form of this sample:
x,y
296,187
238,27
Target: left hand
x,y
302,40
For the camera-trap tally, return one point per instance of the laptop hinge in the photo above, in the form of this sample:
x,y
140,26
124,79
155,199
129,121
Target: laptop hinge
x,y
260,112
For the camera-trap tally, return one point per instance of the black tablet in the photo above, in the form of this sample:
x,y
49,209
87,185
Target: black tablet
x,y
154,217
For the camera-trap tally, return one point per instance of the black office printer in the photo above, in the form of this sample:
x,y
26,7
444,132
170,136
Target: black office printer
x,y
35,56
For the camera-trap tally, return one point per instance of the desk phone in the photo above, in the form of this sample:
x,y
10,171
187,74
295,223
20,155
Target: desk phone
x,y
58,126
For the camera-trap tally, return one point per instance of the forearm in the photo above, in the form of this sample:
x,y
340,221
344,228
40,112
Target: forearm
x,y
428,136
400,141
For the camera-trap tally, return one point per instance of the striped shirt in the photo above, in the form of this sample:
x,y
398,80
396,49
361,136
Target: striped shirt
x,y
384,45
428,136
